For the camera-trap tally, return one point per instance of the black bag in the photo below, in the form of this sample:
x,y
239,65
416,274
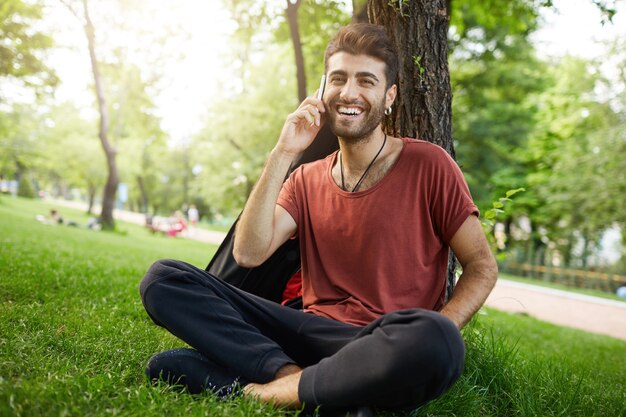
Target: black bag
x,y
268,280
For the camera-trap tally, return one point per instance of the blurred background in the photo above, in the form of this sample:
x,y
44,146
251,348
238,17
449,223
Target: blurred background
x,y
195,93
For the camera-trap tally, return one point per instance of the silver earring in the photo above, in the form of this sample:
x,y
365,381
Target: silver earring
x,y
388,111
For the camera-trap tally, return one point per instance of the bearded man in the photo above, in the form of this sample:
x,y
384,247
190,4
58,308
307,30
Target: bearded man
x,y
375,222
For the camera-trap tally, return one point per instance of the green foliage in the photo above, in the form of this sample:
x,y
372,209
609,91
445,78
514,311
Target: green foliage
x,y
497,207
318,20
492,215
495,76
519,121
576,171
136,132
70,154
75,337
518,17
418,62
242,130
23,46
20,144
26,188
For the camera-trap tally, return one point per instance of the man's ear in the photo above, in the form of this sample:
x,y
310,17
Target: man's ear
x,y
390,95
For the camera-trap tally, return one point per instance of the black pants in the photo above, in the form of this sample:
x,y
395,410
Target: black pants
x,y
400,360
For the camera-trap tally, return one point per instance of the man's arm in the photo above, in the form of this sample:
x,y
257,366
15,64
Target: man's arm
x,y
480,272
263,225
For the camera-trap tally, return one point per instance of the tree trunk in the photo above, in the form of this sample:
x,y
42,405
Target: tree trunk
x,y
419,29
91,189
110,188
359,11
186,171
294,28
144,195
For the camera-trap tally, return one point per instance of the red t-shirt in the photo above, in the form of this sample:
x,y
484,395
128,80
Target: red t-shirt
x,y
383,249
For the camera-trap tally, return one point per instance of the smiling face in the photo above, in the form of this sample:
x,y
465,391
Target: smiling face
x,y
356,96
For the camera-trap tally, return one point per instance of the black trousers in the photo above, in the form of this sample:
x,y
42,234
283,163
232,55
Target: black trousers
x,y
400,360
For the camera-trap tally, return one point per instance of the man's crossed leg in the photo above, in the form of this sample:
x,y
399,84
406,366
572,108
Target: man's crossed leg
x,y
279,354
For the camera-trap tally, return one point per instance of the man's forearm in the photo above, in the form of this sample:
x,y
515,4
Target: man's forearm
x,y
255,227
471,291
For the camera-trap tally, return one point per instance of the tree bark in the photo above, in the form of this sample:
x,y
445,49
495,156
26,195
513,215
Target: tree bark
x,y
110,188
419,29
294,28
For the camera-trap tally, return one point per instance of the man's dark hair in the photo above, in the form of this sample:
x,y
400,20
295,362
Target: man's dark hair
x,y
366,39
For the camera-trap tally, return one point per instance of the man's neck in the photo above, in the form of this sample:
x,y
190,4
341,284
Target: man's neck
x,y
357,153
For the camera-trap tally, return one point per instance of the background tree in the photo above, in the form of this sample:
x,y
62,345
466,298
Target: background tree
x,y
23,46
134,127
573,178
22,65
82,13
20,146
69,159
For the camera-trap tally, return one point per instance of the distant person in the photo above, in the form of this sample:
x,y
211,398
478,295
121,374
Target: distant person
x,y
177,224
94,223
375,222
55,218
621,291
193,215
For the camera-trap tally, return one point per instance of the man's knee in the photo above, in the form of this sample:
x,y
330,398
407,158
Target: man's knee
x,y
426,352
154,286
158,271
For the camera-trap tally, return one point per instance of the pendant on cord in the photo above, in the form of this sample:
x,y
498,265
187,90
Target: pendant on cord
x,y
358,184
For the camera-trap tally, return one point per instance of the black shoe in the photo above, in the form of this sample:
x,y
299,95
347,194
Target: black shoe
x,y
361,412
190,370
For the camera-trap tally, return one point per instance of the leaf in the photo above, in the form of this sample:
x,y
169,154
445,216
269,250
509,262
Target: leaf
x,y
513,192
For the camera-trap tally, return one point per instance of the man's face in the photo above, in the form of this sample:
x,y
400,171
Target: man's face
x,y
355,95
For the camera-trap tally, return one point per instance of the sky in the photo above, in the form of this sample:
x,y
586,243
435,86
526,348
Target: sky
x,y
191,83
575,28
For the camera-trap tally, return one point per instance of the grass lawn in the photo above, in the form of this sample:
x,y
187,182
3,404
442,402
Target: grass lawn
x,y
74,337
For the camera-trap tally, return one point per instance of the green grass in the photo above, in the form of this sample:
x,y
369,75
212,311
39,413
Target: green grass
x,y
563,287
74,337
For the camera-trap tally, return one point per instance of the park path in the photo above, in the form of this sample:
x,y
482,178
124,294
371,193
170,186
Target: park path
x,y
584,312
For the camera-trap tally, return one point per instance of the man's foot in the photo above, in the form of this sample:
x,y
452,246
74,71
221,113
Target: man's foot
x,y
189,369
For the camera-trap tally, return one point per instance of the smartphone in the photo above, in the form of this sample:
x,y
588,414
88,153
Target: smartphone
x,y
320,92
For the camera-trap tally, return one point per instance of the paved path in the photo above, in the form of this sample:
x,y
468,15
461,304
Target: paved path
x,y
593,314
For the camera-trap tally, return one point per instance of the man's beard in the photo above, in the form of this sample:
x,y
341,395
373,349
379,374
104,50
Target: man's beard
x,y
357,132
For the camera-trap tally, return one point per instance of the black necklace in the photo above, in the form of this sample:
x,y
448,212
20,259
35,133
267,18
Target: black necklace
x,y
358,184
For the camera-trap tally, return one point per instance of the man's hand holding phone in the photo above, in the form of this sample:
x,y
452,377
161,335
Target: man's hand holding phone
x,y
303,125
